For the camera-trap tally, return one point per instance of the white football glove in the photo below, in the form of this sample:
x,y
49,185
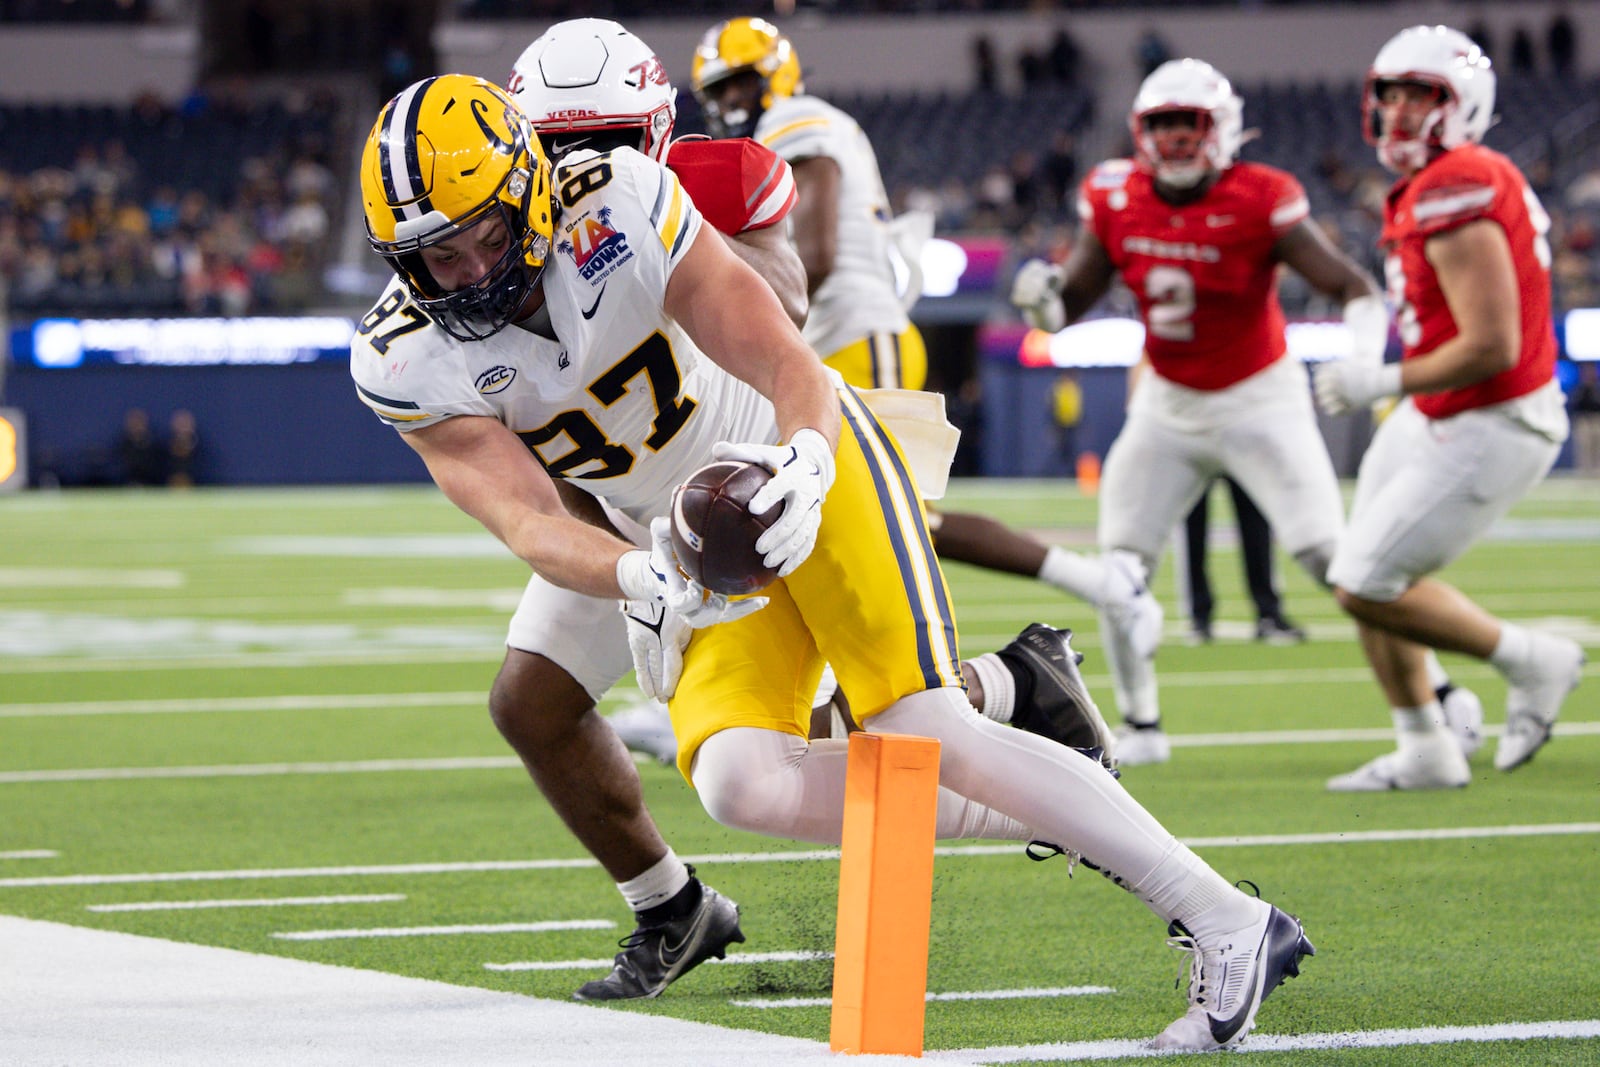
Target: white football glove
x,y
655,577
1036,292
657,638
802,472
1367,319
1343,384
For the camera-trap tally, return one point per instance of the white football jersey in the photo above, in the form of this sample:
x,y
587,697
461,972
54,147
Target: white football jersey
x,y
859,296
622,403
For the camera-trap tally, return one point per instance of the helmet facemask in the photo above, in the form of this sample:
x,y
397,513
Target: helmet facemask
x,y
748,93
449,156
1180,154
495,300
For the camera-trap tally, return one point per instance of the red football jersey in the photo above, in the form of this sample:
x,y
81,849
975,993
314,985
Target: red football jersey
x,y
737,184
1461,186
1204,273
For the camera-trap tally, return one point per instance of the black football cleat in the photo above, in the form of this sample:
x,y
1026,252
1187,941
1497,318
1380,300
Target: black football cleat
x,y
653,957
1059,706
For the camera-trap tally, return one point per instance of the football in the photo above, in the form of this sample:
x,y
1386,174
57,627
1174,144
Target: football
x,y
713,532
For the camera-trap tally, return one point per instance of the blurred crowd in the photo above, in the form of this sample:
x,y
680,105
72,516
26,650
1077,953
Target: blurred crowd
x,y
104,232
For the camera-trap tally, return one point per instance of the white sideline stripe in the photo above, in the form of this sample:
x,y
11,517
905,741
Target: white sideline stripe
x,y
1335,837
79,996
228,704
1321,737
260,902
985,994
87,578
256,770
490,653
30,854
446,931
1425,1035
585,965
497,763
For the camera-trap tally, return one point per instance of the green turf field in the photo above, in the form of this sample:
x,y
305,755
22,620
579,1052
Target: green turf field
x,y
277,696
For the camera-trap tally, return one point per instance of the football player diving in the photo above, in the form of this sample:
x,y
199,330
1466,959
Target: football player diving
x,y
581,324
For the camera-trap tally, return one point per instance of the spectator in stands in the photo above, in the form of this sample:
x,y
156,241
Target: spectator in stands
x,y
1200,237
1058,172
986,70
1522,56
1065,58
1481,422
1152,51
749,82
138,451
1561,38
182,449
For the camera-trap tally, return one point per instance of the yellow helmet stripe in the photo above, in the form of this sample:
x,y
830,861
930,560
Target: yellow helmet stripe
x,y
397,154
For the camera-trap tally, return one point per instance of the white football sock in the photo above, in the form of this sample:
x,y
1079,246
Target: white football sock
x,y
1082,576
657,885
999,687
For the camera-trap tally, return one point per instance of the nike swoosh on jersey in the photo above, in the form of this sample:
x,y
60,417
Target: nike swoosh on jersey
x,y
596,305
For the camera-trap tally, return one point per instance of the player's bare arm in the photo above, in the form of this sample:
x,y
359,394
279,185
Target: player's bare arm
x,y
769,254
733,315
1478,279
816,217
1088,275
487,472
1307,250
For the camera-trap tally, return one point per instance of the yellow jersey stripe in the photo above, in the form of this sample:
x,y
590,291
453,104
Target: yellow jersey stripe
x,y
670,230
783,131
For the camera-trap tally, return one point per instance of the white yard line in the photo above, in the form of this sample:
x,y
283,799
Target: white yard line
x,y
200,705
357,701
30,854
735,958
258,902
1331,837
260,770
496,763
447,931
1427,1035
982,994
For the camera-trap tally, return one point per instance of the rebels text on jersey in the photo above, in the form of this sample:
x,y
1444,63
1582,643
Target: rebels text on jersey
x,y
737,184
620,401
1462,186
1204,273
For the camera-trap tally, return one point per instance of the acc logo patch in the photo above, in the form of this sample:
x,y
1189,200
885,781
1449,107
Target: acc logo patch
x,y
495,379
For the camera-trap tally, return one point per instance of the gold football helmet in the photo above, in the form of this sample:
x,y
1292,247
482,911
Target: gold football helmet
x,y
735,47
446,154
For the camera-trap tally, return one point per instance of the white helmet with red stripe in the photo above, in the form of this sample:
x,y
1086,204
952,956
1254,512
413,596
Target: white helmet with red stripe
x,y
1448,61
590,79
1188,86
